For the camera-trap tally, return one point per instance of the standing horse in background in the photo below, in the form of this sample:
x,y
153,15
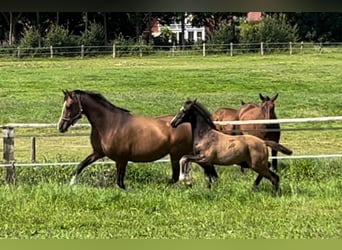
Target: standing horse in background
x,y
123,137
213,147
264,111
230,114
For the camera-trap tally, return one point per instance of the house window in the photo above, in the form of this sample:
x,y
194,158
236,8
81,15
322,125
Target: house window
x,y
191,36
199,35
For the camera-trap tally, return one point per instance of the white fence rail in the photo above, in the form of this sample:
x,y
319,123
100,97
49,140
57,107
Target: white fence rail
x,y
8,141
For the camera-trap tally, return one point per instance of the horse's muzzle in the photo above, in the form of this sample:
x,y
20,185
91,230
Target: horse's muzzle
x,y
63,126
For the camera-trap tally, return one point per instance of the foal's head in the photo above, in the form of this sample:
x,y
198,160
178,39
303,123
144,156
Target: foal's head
x,y
189,112
71,112
268,106
184,114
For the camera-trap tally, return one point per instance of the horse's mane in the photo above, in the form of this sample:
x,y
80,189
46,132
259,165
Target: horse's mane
x,y
100,99
204,113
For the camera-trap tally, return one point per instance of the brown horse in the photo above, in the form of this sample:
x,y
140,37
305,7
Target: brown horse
x,y
214,147
264,111
123,137
230,114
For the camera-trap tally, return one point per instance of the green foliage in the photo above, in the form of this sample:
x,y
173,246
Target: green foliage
x,y
30,38
220,38
59,36
93,36
272,29
129,46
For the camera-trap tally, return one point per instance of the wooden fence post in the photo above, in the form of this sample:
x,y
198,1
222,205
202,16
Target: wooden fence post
x,y
33,153
203,49
290,48
231,49
8,157
51,51
82,51
18,52
114,52
262,48
301,47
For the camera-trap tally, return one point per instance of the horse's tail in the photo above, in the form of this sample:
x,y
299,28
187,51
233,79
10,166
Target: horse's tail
x,y
278,147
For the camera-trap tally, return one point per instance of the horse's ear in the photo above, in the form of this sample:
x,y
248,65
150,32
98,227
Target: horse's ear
x,y
195,100
262,98
274,97
242,102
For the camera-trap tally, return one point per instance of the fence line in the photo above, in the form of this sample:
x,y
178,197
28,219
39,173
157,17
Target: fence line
x,y
140,50
8,141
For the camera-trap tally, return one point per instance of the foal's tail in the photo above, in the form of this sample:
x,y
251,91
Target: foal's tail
x,y
278,147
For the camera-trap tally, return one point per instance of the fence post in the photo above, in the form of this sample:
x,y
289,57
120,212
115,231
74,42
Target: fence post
x,y
33,144
203,49
8,157
231,49
290,48
173,49
51,51
301,47
114,50
82,51
320,47
262,48
18,53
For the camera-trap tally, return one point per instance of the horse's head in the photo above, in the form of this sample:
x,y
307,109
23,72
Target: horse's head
x,y
71,112
183,114
268,106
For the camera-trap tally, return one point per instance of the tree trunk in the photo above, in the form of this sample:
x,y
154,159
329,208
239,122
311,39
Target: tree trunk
x,y
183,29
105,27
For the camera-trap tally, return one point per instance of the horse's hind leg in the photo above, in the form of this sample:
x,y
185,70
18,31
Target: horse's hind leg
x,y
257,182
86,162
274,178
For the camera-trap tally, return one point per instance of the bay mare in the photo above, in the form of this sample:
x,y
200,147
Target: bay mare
x,y
214,147
123,137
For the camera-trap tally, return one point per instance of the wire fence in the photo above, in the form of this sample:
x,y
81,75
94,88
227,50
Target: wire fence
x,y
143,50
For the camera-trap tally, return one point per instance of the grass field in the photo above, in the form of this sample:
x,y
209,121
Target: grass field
x,y
42,205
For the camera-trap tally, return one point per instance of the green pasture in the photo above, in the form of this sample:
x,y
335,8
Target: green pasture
x,y
42,205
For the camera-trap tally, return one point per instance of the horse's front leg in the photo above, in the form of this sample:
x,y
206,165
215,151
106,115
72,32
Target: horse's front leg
x,y
86,162
121,171
184,163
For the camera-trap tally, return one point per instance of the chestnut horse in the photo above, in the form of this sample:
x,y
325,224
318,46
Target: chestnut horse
x,y
213,147
230,114
264,111
123,137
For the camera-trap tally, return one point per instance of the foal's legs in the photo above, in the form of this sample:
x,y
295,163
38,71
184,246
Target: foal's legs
x,y
86,162
185,167
270,175
210,173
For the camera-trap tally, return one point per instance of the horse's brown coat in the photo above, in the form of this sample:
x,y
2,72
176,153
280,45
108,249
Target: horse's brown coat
x,y
123,137
214,147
